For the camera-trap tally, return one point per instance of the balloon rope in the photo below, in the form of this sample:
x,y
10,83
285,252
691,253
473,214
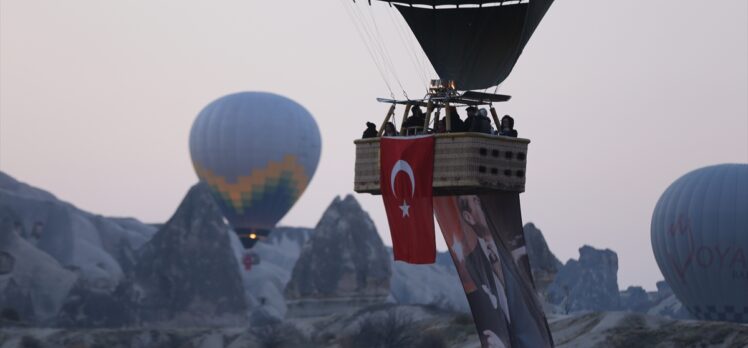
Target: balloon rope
x,y
414,57
375,46
383,50
367,44
418,52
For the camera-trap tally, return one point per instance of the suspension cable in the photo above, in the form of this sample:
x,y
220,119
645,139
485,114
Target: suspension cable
x,y
412,53
363,36
384,51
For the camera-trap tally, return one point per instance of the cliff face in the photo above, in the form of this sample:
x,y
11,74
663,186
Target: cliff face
x,y
188,272
543,264
343,265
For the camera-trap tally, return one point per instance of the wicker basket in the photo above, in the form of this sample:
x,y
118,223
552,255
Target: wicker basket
x,y
464,163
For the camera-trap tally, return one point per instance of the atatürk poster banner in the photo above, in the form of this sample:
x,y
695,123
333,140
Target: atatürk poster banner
x,y
485,238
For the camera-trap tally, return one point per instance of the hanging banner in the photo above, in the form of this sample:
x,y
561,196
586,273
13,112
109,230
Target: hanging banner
x,y
485,238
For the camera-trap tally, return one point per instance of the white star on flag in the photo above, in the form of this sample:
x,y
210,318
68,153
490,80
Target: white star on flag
x,y
405,208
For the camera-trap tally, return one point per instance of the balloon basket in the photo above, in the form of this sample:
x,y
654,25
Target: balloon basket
x,y
464,163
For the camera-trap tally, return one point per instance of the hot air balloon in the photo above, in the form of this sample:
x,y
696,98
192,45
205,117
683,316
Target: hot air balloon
x,y
700,241
257,152
472,45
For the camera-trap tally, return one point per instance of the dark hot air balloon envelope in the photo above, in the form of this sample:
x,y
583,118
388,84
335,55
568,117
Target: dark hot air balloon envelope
x,y
477,47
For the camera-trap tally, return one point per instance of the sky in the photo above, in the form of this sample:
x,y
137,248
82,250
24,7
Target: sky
x,y
619,99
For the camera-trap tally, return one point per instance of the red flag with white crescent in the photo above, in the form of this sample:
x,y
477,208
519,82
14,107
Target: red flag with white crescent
x,y
406,175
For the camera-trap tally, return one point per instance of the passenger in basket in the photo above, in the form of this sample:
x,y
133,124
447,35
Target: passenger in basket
x,y
481,123
390,130
507,127
371,131
472,112
441,126
456,122
414,123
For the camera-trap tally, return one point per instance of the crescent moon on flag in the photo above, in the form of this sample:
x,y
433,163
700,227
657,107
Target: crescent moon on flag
x,y
403,166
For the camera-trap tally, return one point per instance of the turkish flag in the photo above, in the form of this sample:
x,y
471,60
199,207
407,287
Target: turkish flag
x,y
405,177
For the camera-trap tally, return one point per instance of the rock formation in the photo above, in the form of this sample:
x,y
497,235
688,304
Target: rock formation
x,y
588,284
33,285
635,299
543,264
188,272
343,266
93,246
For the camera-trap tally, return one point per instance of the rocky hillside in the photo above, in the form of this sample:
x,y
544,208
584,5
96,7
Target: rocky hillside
x,y
118,272
50,248
125,272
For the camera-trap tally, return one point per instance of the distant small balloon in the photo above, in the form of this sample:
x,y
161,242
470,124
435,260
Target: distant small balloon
x,y
700,241
257,151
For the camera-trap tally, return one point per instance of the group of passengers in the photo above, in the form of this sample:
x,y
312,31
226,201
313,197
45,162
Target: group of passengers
x,y
477,121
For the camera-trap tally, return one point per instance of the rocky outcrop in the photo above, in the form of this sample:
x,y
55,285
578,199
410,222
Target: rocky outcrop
x,y
188,273
343,266
589,284
95,247
60,265
33,284
543,264
635,299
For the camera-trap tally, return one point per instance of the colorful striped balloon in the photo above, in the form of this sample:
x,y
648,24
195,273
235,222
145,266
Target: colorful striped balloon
x,y
257,151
